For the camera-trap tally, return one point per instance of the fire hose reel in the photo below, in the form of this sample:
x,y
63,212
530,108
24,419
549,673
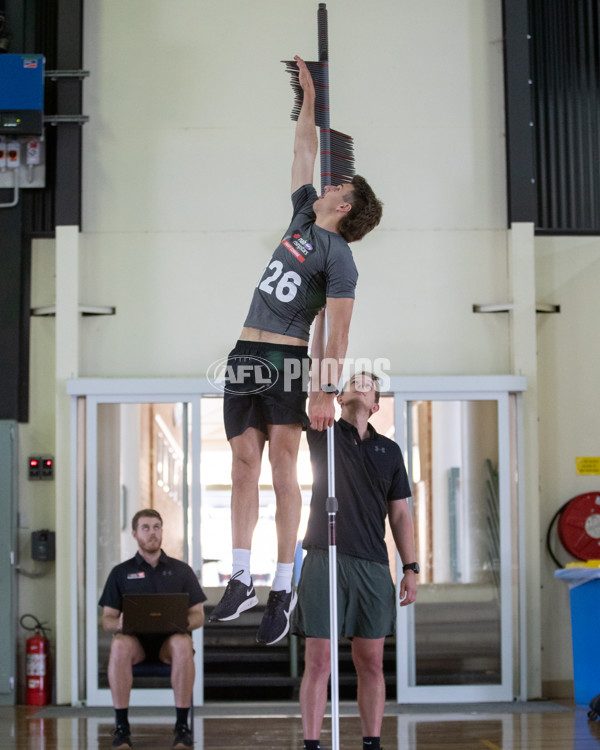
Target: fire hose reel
x,y
579,526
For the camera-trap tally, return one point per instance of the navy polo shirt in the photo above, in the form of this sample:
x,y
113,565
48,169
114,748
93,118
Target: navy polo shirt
x,y
136,576
369,474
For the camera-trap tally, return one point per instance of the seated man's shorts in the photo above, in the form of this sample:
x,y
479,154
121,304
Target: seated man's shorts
x,y
265,384
366,598
152,643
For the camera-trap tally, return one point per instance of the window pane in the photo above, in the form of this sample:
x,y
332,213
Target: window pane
x,y
141,464
215,477
453,447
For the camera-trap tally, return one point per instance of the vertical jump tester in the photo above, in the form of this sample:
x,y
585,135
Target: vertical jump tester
x,y
337,167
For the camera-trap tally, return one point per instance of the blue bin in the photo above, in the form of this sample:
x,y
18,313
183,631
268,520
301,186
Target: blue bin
x,y
584,592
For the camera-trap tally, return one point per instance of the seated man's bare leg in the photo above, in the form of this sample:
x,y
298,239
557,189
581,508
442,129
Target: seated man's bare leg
x,y
178,651
125,651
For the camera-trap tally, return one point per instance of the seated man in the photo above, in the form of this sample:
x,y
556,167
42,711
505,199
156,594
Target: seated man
x,y
371,483
149,572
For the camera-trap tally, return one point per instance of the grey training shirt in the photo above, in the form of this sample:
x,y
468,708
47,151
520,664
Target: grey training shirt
x,y
309,265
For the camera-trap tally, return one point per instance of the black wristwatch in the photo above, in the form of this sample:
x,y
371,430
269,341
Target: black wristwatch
x,y
411,566
330,388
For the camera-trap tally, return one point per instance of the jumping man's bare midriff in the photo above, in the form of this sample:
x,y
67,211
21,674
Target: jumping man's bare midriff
x,y
255,334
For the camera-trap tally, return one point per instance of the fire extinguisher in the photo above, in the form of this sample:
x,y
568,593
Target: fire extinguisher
x,y
38,675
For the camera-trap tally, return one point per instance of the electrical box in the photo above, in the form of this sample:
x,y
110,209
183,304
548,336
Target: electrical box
x,y
43,545
21,94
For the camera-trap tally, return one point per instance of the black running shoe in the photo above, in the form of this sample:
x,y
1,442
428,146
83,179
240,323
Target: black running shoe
x,y
183,737
237,599
276,619
121,738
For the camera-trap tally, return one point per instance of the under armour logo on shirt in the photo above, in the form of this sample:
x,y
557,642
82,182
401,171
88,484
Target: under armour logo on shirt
x,y
377,448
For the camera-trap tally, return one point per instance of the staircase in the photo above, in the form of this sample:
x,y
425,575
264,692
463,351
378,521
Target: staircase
x,y
237,667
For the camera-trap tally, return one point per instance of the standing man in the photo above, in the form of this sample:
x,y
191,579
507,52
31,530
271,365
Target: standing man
x,y
371,482
312,266
150,571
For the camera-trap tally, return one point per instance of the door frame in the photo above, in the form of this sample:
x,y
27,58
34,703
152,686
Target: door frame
x,y
97,391
472,388
404,389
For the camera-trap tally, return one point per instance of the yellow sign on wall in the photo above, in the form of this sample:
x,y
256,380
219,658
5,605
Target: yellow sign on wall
x,y
587,465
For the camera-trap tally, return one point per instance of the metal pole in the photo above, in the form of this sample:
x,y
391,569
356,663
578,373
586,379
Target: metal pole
x,y
332,507
332,504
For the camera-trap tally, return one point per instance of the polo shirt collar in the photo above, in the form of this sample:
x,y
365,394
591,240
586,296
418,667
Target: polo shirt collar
x,y
162,560
348,426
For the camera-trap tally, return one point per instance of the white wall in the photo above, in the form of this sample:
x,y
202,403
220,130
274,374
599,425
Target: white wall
x,y
187,160
568,274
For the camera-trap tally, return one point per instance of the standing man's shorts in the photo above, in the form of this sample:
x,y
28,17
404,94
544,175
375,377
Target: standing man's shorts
x,y
366,598
265,384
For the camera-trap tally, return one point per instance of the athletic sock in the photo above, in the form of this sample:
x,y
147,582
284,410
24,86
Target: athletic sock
x,y
283,577
371,743
241,566
182,716
121,718
311,744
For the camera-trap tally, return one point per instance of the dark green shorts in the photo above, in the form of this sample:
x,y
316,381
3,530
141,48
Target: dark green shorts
x,y
366,599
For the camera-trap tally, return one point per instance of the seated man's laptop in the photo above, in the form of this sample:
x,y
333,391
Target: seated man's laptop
x,y
155,613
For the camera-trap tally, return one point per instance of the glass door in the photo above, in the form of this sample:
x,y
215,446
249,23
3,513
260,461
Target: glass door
x,y
138,456
457,636
138,442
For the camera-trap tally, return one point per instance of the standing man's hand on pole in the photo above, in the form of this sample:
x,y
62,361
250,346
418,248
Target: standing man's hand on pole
x,y
321,410
328,355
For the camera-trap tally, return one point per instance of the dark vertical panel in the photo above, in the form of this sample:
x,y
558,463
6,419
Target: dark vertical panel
x,y
39,205
522,204
15,262
14,316
564,62
69,102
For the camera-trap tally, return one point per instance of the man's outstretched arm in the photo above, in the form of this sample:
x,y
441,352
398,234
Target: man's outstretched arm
x,y
306,143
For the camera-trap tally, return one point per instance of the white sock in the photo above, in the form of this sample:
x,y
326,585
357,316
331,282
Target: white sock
x,y
283,577
241,564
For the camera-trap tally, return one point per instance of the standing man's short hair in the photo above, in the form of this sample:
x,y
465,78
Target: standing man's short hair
x,y
374,378
145,512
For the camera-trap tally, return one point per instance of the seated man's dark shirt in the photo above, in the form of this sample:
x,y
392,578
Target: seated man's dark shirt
x,y
136,576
